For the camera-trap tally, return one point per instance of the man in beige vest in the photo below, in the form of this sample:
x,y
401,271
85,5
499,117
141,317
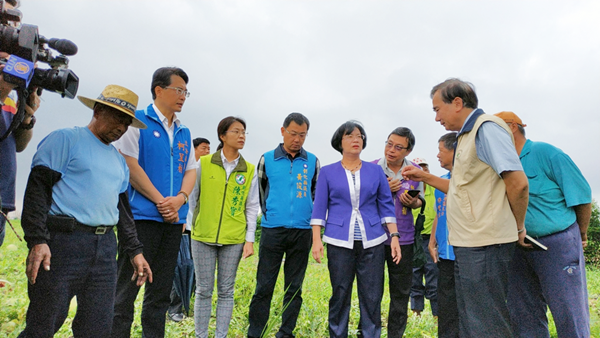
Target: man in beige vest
x,y
486,206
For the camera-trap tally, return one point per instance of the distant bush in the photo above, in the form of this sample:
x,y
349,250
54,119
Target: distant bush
x,y
592,251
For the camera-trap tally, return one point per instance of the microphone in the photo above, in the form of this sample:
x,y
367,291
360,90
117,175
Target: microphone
x,y
63,46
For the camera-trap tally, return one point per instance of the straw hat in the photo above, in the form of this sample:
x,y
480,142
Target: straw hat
x,y
120,98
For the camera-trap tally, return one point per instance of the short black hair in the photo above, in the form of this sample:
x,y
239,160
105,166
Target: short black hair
x,y
298,118
15,3
449,140
199,140
453,88
405,132
346,129
162,78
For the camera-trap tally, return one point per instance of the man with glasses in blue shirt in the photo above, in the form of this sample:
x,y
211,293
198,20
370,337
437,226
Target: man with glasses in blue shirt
x,y
287,179
163,171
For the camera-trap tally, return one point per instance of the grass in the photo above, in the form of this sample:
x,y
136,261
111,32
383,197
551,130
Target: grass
x,y
311,323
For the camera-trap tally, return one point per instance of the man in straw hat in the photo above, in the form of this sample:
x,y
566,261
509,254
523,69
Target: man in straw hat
x,y
75,196
558,216
163,172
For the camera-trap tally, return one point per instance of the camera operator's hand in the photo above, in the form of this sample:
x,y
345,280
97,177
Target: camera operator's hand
x,y
31,106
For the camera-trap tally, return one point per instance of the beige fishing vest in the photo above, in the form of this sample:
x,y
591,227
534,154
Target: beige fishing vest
x,y
477,207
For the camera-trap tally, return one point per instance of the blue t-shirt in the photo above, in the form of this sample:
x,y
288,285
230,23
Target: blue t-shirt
x,y
445,250
555,186
93,175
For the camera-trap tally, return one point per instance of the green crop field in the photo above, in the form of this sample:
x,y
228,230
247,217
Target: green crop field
x,y
311,323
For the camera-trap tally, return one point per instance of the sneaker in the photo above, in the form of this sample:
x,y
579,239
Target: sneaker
x,y
176,317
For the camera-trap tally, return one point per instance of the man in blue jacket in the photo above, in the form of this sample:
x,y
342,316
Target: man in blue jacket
x,y
287,179
163,170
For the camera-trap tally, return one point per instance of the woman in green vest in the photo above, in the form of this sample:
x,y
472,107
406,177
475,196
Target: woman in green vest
x,y
225,202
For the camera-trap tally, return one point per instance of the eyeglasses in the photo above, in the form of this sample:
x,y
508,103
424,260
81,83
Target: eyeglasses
x,y
397,146
354,137
295,134
179,91
238,132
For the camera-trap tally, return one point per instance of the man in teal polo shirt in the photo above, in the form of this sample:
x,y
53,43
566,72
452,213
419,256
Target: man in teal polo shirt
x,y
558,216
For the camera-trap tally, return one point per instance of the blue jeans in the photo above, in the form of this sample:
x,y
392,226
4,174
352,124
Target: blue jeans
x,y
481,277
83,265
418,291
554,279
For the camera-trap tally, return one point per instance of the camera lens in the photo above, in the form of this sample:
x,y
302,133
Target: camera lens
x,y
61,81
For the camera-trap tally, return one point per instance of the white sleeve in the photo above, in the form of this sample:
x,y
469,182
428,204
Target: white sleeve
x,y
129,143
252,208
191,163
194,197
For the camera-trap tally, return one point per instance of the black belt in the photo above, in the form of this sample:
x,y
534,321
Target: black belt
x,y
426,236
62,223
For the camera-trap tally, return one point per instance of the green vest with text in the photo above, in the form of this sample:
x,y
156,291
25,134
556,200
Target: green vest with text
x,y
220,215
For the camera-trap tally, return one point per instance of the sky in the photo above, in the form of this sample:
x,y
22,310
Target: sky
x,y
333,61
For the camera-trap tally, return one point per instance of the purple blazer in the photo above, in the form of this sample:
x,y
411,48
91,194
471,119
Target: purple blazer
x,y
333,205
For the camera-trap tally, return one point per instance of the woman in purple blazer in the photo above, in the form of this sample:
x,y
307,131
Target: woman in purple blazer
x,y
354,203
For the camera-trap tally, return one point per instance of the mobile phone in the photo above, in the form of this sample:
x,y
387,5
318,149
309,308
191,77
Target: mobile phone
x,y
414,193
536,245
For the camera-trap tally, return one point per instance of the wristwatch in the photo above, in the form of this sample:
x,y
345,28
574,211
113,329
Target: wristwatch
x,y
29,125
395,234
185,196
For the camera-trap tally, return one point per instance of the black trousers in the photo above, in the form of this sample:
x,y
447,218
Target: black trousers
x,y
367,266
400,276
447,308
82,265
274,243
481,280
161,247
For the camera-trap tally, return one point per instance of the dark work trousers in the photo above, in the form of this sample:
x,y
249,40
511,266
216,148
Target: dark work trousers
x,y
176,305
83,265
161,247
400,280
552,279
447,308
3,224
418,291
367,265
274,243
481,277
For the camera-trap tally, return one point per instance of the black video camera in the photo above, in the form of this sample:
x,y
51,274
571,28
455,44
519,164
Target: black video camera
x,y
26,47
